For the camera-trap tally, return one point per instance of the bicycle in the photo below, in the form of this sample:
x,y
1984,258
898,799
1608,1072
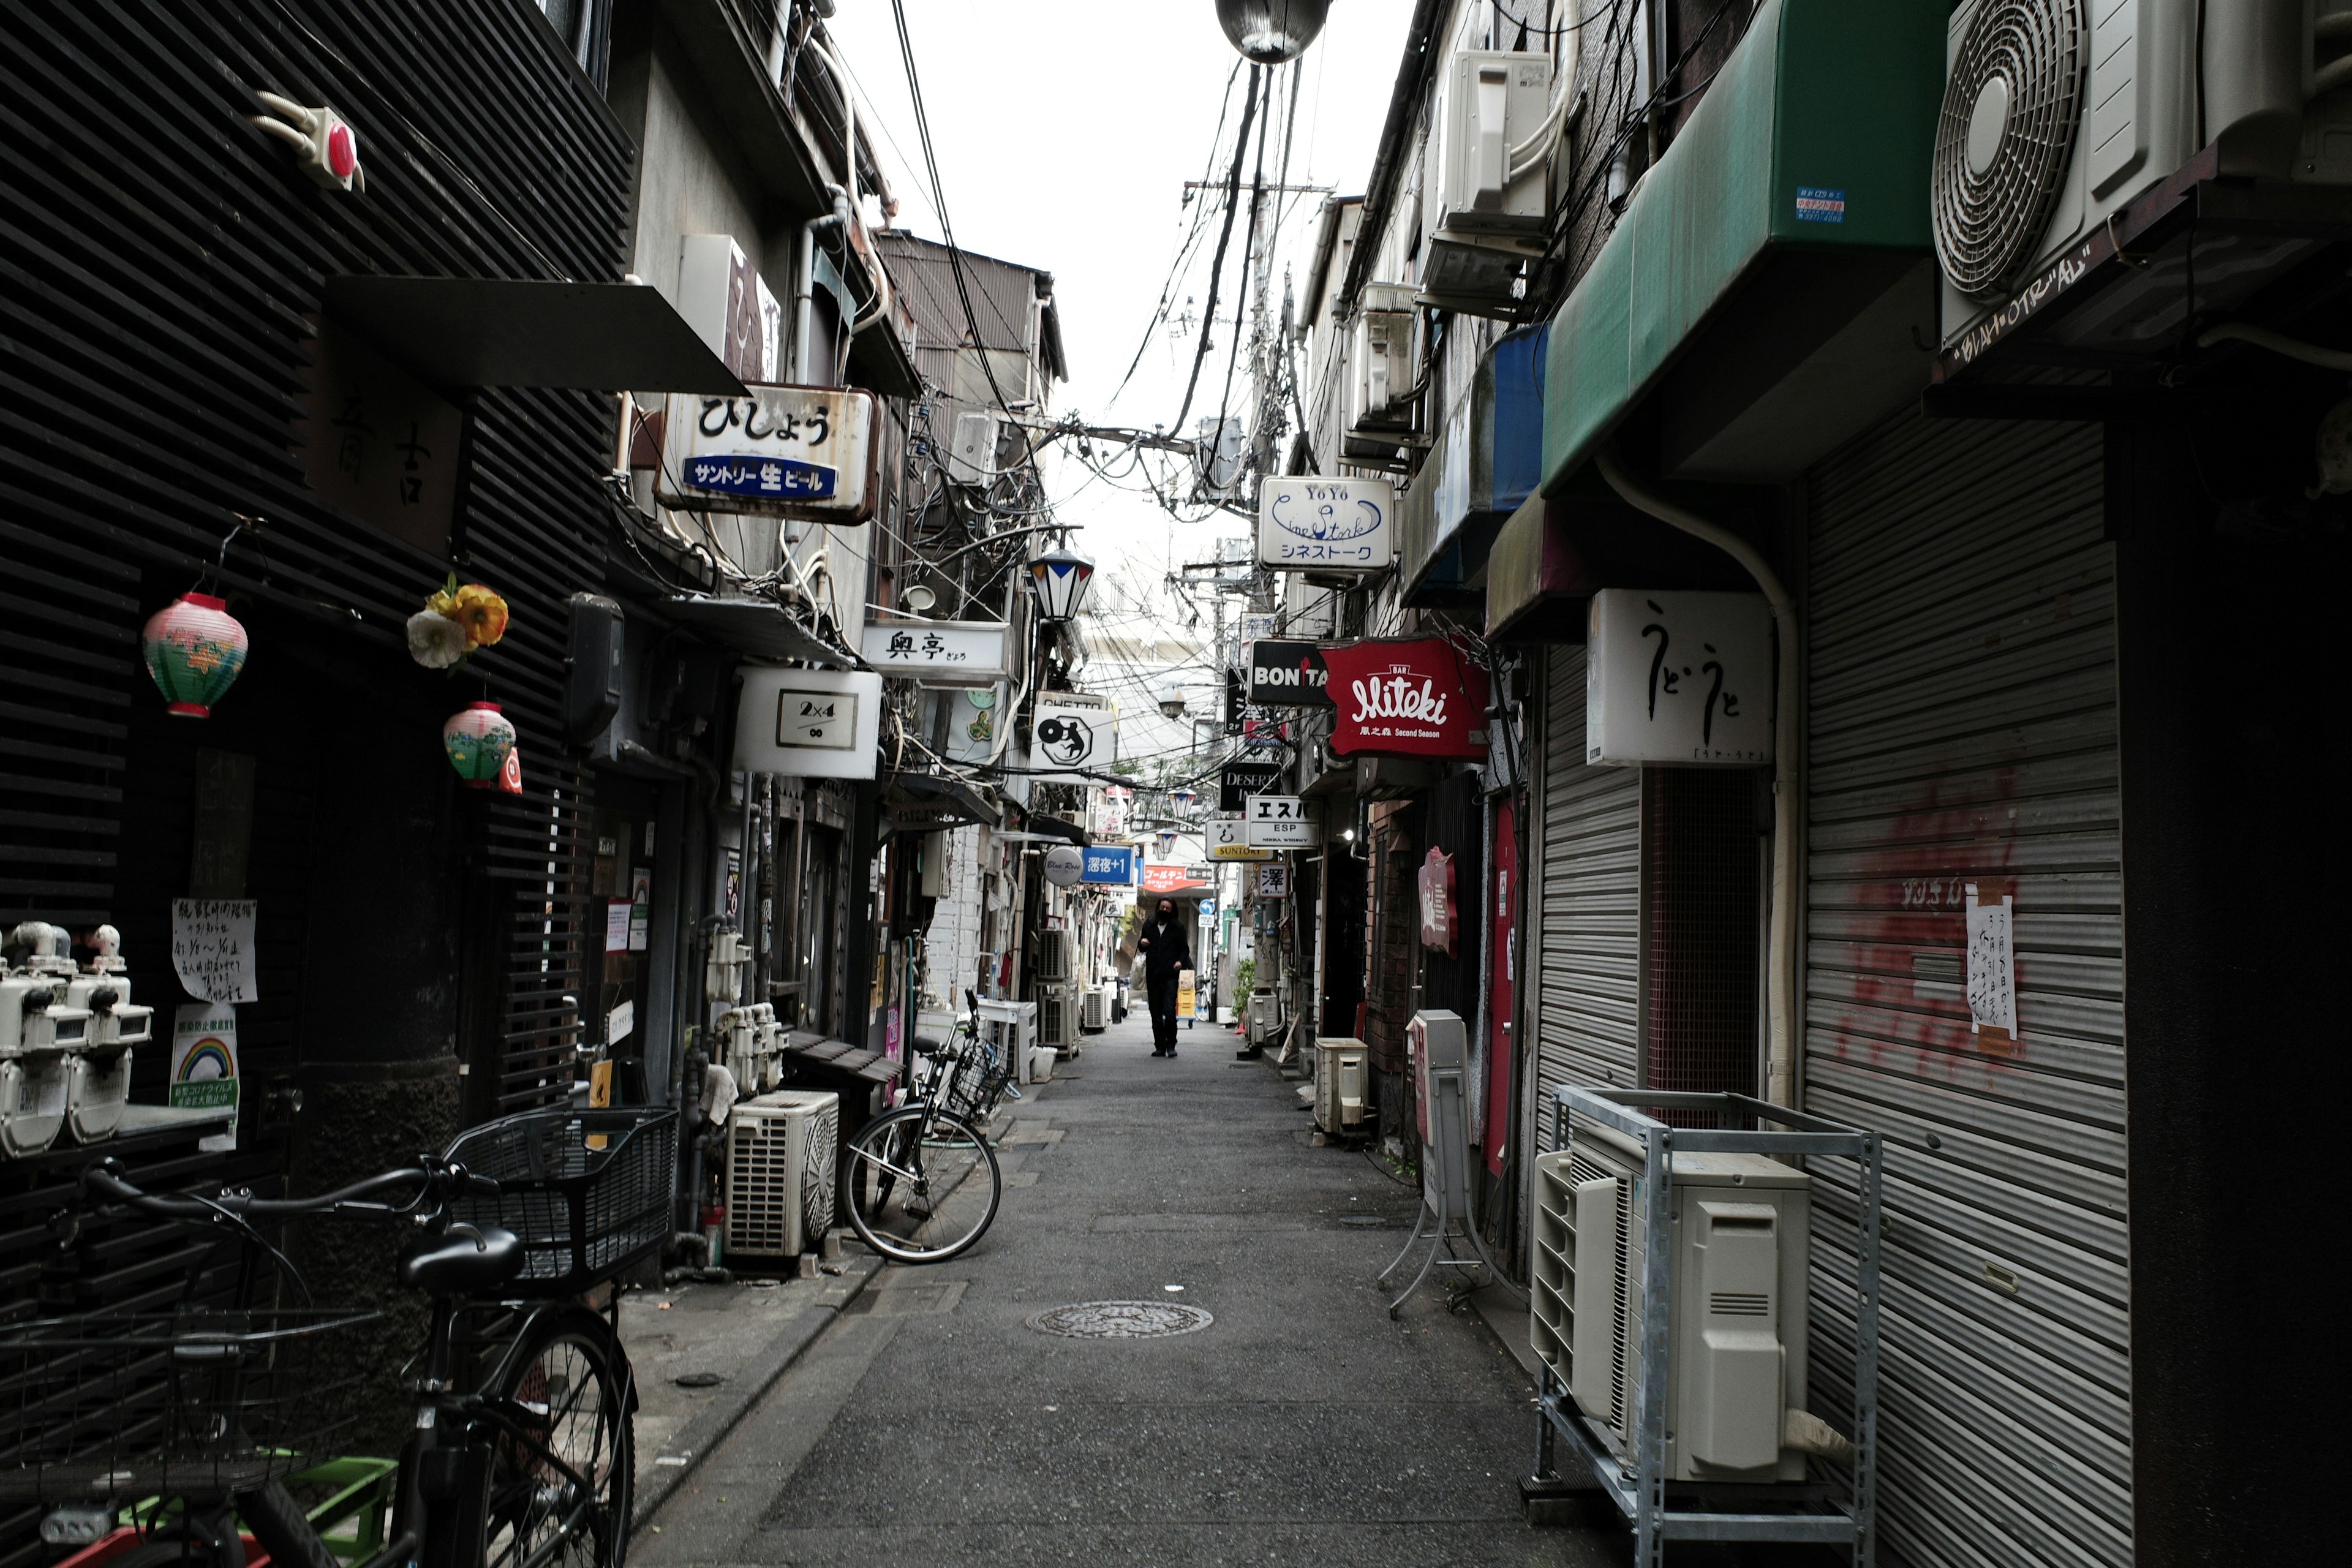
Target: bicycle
x,y
921,1183
521,1450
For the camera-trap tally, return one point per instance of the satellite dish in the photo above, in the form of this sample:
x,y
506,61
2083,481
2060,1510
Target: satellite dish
x,y
1066,865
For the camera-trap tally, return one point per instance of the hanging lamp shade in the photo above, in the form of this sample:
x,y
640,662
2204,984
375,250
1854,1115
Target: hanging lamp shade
x,y
1060,581
194,648
1272,32
478,742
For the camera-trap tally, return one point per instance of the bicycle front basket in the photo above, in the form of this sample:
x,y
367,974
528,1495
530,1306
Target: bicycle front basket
x,y
589,1192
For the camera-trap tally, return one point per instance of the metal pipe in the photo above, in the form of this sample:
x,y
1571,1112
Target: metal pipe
x,y
1787,775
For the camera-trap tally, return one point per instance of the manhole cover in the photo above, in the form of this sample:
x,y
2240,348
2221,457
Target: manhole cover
x,y
1121,1320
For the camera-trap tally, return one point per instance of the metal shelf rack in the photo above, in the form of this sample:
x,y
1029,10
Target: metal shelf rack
x,y
1752,1511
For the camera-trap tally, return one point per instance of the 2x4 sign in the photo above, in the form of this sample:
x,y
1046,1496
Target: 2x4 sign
x,y
1278,822
1326,525
1418,697
809,724
1288,675
786,451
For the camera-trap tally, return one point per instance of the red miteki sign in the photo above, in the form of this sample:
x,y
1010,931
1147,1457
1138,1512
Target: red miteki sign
x,y
1418,697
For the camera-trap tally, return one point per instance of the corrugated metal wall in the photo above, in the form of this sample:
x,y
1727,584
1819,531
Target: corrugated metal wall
x,y
1962,724
1587,896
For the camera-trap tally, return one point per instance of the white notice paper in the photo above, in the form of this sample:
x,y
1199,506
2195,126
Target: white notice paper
x,y
619,1022
211,948
1991,966
617,927
204,1064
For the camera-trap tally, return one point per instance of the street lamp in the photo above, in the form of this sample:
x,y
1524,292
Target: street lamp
x,y
1272,32
1059,580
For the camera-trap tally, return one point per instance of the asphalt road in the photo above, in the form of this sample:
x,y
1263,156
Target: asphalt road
x,y
931,1424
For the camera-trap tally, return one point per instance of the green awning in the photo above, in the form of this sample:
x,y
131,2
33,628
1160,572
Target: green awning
x,y
1805,174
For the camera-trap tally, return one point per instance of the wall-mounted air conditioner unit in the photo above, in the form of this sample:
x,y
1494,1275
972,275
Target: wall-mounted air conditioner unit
x,y
1094,1014
1052,956
1264,1016
782,1153
1340,1084
1738,1319
1384,356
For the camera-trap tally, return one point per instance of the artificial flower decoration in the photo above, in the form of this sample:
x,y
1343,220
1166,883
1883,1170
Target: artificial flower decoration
x,y
455,621
194,648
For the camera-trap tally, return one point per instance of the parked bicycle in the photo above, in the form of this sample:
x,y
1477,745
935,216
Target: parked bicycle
x,y
921,1183
521,1452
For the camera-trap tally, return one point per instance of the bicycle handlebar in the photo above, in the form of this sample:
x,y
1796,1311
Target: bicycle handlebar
x,y
104,1179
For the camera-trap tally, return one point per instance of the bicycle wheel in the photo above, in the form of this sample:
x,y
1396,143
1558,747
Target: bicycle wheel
x,y
921,1184
558,1486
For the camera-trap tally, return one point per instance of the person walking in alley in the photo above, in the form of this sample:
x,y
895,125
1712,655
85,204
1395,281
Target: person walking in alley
x,y
1165,952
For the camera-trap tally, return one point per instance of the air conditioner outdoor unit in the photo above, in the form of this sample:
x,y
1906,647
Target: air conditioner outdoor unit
x,y
1052,955
1054,1017
2057,114
971,456
1487,208
1382,351
782,1153
1264,1016
1094,1015
1740,1226
1340,1084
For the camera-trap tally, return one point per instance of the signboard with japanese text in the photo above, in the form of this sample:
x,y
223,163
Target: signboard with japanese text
x,y
938,653
1678,678
1238,780
1274,880
1278,822
790,451
1072,730
1174,878
809,724
1438,915
1416,697
1991,972
1228,839
1110,864
1313,524
379,443
211,948
1288,675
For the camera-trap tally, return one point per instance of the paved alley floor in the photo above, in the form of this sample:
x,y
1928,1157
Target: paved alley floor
x,y
930,1425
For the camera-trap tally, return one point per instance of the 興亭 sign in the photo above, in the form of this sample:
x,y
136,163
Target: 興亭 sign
x,y
942,653
801,451
1315,524
1420,696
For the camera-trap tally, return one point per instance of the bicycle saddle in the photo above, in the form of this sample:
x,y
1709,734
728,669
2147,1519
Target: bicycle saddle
x,y
929,1047
462,1262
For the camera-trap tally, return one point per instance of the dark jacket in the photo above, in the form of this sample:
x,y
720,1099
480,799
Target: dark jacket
x,y
1169,950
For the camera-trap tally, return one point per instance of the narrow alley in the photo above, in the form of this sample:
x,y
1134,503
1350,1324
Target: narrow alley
x,y
933,1424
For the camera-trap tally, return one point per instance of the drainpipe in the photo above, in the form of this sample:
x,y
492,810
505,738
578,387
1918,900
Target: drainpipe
x,y
805,291
1782,968
849,179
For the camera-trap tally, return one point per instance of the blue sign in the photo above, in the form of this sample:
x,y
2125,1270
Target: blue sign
x,y
1208,906
1110,865
1817,204
785,478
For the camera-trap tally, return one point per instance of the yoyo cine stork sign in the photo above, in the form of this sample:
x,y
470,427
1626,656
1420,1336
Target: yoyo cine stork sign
x,y
1326,526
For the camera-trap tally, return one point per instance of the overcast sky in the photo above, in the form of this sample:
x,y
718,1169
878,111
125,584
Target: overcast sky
x,y
1065,131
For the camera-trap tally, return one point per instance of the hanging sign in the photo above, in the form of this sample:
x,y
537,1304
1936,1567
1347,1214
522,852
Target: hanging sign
x,y
1288,675
1322,525
938,653
1274,880
809,724
1228,838
1066,865
204,1065
1678,678
1111,864
211,948
1240,780
1076,730
789,451
1437,910
1992,966
1420,696
1174,879
1278,822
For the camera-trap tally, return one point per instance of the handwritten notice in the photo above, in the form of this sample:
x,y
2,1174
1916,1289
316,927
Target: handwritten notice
x,y
1992,966
212,949
204,1064
617,927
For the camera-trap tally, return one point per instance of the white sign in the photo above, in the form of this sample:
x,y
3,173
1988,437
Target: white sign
x,y
808,724
1274,881
1228,838
1676,676
1072,730
211,948
617,926
1326,525
204,1065
1278,822
938,653
788,452
620,1022
1991,966
1066,865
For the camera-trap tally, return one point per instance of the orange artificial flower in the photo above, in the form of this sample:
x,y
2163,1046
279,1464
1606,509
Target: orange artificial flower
x,y
482,613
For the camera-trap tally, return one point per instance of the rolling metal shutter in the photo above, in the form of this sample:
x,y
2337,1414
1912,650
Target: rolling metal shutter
x,y
1587,946
1962,725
